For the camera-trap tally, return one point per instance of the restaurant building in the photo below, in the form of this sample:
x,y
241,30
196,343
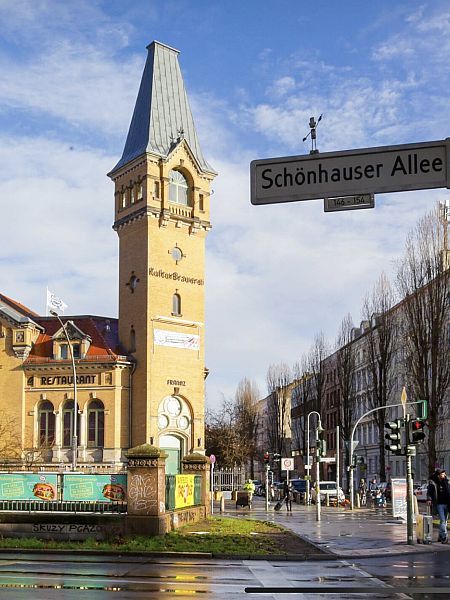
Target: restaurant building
x,y
139,378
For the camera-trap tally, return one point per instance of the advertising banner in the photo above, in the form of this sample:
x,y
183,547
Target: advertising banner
x,y
399,494
184,491
28,486
95,488
174,339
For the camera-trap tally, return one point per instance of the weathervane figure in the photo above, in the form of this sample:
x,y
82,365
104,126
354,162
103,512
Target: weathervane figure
x,y
313,133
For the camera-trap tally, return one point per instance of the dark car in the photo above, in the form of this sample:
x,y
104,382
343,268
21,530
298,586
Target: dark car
x,y
299,489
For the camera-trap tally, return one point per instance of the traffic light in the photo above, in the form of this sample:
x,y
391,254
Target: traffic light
x,y
266,458
394,436
276,457
416,432
322,448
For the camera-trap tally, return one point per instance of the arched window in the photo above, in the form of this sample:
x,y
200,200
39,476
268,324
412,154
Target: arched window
x,y
178,188
68,424
176,304
96,424
46,417
132,339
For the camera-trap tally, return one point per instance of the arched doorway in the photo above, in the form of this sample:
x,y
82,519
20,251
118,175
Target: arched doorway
x,y
172,446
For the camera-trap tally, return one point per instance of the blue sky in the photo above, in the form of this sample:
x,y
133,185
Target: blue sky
x,y
255,71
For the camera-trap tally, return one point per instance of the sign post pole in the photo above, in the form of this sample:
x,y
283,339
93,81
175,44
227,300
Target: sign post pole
x,y
212,460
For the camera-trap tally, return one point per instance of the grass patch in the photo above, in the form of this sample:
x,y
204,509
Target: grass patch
x,y
217,535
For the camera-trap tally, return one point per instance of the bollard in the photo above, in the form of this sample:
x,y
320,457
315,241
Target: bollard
x,y
358,501
222,504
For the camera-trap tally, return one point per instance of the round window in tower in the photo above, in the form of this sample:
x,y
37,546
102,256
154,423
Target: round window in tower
x,y
173,406
176,253
163,421
183,422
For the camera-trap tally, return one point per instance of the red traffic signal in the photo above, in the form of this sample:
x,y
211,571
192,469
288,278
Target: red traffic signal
x,y
266,457
416,432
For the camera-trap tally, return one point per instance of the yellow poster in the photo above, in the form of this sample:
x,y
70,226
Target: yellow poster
x,y
184,491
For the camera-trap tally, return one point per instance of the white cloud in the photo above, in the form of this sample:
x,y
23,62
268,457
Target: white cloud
x,y
78,84
59,211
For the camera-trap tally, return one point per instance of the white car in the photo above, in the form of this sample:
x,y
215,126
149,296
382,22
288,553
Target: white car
x,y
327,488
421,493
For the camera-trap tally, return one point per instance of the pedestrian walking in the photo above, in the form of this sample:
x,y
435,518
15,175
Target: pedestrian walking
x,y
249,486
288,495
438,496
362,491
373,490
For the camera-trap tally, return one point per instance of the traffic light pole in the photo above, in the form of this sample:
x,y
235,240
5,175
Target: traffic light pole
x,y
267,487
352,449
409,487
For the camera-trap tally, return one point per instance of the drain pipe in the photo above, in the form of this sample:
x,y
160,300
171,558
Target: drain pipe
x,y
130,404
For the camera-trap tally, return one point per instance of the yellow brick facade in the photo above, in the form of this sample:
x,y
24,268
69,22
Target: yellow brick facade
x,y
149,228
144,382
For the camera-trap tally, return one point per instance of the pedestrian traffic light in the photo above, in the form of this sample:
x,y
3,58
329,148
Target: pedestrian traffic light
x,y
394,436
416,432
266,458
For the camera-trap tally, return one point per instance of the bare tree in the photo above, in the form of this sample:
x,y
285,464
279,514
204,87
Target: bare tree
x,y
317,354
302,396
345,359
278,409
222,436
380,344
248,420
10,439
423,279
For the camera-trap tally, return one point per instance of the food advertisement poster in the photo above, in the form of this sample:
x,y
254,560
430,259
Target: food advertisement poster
x,y
184,491
95,488
28,486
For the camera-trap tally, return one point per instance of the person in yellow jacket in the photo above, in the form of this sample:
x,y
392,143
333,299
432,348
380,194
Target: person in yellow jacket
x,y
249,487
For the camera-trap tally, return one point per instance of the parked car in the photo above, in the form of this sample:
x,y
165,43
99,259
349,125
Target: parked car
x,y
327,488
421,492
299,489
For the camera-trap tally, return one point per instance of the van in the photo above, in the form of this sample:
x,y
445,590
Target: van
x,y
328,488
299,489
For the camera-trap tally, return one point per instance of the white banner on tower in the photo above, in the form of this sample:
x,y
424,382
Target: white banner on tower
x,y
174,339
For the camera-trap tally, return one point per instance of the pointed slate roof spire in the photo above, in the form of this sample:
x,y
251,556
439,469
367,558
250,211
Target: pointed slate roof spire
x,y
162,115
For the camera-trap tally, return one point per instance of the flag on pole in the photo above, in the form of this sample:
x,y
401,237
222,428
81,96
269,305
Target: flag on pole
x,y
55,303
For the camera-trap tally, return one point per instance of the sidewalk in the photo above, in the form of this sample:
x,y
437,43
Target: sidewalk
x,y
368,532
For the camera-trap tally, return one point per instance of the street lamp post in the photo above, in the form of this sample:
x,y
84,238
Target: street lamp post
x,y
309,465
75,403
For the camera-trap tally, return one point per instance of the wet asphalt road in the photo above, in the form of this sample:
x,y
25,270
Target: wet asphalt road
x,y
66,577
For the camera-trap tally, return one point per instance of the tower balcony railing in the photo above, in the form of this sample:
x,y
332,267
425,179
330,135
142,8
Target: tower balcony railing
x,y
180,210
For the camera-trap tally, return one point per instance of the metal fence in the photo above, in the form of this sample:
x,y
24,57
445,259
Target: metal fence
x,y
63,506
228,480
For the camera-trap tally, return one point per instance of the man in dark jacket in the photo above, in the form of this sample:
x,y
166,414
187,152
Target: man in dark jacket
x,y
438,495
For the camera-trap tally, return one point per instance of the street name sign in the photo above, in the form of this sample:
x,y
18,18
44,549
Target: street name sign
x,y
349,202
351,172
